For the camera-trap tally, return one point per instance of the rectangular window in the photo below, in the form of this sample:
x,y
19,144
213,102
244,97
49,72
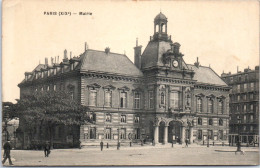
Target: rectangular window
x,y
55,71
123,119
252,86
251,118
220,134
199,134
92,133
251,128
108,117
123,133
174,100
93,98
108,133
48,88
108,98
199,104
245,86
54,87
238,98
123,97
42,74
137,97
151,102
137,133
42,89
244,118
244,128
251,96
244,107
238,88
136,119
251,107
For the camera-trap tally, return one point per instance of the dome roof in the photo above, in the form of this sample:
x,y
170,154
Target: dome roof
x,y
160,16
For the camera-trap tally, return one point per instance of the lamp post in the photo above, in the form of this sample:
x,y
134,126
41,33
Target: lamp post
x,y
238,133
118,144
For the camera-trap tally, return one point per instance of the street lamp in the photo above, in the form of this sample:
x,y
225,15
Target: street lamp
x,y
238,133
118,144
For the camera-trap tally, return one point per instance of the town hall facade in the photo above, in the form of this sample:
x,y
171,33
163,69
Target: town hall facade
x,y
159,98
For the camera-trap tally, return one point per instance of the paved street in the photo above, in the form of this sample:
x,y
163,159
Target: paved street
x,y
146,155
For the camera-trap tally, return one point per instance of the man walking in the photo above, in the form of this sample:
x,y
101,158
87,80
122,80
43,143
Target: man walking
x,y
7,151
186,142
101,145
47,149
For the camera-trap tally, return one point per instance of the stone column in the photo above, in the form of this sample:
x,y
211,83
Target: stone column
x,y
183,134
191,134
156,134
165,134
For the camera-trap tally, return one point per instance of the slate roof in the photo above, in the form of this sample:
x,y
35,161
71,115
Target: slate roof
x,y
153,52
160,16
99,61
206,75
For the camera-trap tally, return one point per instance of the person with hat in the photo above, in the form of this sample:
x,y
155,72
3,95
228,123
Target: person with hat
x,y
7,151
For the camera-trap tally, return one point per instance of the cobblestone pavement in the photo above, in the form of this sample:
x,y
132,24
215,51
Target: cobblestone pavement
x,y
145,155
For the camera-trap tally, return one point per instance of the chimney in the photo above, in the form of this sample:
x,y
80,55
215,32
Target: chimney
x,y
86,46
107,50
51,61
65,58
197,64
46,61
176,48
70,55
138,52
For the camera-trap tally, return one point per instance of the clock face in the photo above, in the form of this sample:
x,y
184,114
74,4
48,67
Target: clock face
x,y
175,63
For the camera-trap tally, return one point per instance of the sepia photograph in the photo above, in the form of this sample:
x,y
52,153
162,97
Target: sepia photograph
x,y
130,83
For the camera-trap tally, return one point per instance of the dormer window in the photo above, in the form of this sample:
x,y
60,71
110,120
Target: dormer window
x,y
55,71
42,73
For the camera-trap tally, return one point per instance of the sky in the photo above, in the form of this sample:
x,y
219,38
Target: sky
x,y
223,34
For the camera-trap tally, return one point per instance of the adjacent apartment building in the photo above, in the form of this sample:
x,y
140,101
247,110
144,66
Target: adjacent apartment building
x,y
244,105
157,98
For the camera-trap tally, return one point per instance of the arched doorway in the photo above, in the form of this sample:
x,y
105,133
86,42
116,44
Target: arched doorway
x,y
161,131
174,132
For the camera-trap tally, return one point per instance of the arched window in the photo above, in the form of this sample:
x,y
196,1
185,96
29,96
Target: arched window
x,y
162,98
220,122
210,121
199,121
157,28
221,106
199,104
210,105
163,27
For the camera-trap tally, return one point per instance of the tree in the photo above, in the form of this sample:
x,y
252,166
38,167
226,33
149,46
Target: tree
x,y
49,109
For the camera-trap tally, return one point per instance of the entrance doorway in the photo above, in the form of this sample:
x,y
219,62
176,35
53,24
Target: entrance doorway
x,y
161,132
174,132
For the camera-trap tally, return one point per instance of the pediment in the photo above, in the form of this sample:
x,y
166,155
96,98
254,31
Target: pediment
x,y
94,85
124,88
110,87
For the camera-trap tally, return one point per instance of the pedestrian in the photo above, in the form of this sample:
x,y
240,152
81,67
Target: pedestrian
x,y
101,145
7,151
186,142
47,150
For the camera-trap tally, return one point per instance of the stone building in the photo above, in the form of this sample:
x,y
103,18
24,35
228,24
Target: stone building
x,y
244,103
158,97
